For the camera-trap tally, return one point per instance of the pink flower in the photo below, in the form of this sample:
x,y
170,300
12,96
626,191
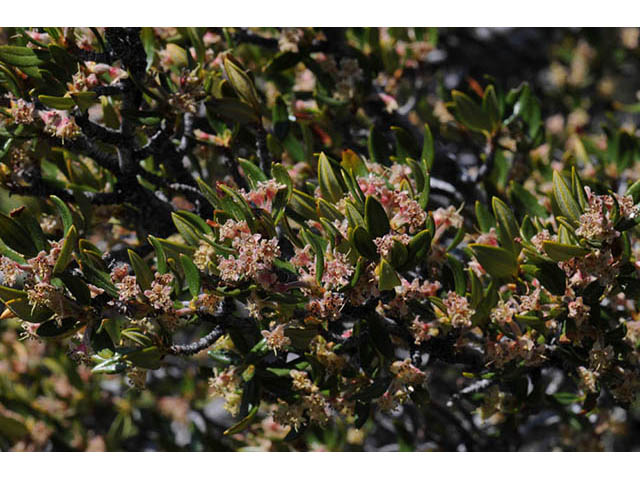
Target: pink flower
x,y
264,194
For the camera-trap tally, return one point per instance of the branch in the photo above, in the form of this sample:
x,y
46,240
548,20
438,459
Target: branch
x,y
199,345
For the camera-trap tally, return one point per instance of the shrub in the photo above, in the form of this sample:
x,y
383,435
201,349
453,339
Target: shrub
x,y
261,197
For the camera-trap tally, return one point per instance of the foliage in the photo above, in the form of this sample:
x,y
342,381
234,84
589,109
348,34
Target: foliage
x,y
452,272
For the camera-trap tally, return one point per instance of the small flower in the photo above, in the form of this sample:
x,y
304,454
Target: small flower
x,y
422,331
407,373
539,238
289,39
10,271
204,254
337,270
304,257
208,302
46,295
22,111
160,293
326,307
409,213
57,123
43,263
301,381
578,310
448,217
49,224
588,379
254,259
226,384
324,353
264,194
138,378
276,339
128,288
81,82
385,243
504,312
458,310
289,414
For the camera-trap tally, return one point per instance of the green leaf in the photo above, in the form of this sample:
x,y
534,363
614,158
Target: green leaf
x,y
378,147
70,244
567,204
17,302
77,287
244,423
419,246
196,222
84,100
456,240
143,273
190,234
405,144
59,103
469,113
65,213
526,107
379,335
375,218
149,44
192,275
327,210
363,243
521,196
485,219
428,150
560,252
16,237
196,40
387,276
252,172
399,255
113,326
241,82
459,278
19,56
304,205
329,184
99,278
508,229
578,189
110,366
58,329
634,191
280,119
161,256
281,175
283,61
491,107
31,225
13,429
136,336
148,357
233,109
498,262
352,162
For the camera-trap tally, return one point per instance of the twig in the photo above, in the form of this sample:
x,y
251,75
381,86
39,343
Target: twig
x,y
199,345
